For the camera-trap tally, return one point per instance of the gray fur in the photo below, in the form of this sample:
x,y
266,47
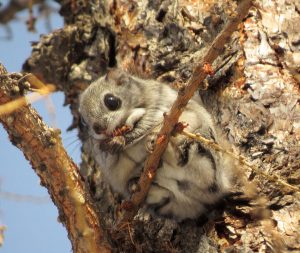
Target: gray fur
x,y
191,176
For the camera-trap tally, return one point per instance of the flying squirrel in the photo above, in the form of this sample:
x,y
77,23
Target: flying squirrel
x,y
123,114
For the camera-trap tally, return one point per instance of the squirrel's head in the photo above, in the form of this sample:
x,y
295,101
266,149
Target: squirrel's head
x,y
109,101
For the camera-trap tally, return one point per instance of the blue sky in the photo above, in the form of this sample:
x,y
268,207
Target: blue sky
x,y
25,208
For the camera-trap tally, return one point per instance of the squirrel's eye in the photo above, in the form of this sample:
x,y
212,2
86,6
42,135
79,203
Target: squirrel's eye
x,y
112,103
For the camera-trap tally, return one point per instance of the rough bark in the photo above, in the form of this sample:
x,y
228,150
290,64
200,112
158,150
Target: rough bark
x,y
43,148
254,97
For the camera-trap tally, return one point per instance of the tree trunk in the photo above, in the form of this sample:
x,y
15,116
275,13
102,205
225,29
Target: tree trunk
x,y
253,96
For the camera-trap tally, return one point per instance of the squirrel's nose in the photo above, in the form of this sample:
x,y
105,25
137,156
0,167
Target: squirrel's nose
x,y
98,129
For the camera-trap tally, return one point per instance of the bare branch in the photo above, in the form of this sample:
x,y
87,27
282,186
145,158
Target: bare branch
x,y
42,146
9,12
199,74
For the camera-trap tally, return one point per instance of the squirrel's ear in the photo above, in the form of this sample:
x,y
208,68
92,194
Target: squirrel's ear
x,y
118,76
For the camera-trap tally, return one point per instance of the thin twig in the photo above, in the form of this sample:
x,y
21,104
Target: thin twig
x,y
24,198
242,160
9,12
170,119
13,105
31,19
2,228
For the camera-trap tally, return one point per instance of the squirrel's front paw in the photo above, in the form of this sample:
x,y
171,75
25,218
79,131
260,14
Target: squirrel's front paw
x,y
150,143
113,145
